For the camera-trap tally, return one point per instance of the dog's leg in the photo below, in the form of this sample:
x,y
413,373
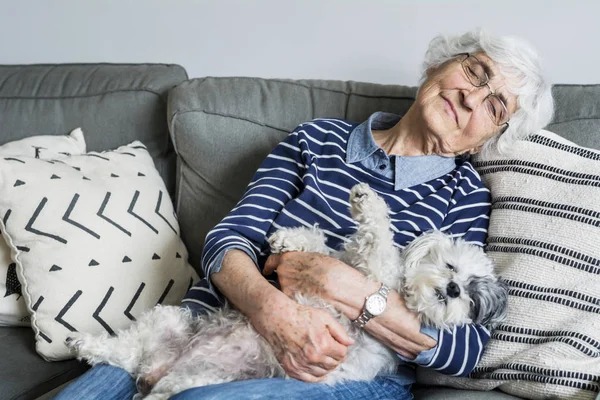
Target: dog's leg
x,y
298,239
225,348
165,338
371,248
112,350
152,336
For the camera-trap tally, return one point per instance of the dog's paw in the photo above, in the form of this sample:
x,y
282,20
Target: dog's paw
x,y
360,193
75,341
297,239
365,204
281,241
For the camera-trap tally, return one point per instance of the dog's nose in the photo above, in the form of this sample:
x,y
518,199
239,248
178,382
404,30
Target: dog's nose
x,y
453,290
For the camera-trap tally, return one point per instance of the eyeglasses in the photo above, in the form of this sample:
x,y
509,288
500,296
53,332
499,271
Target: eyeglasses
x,y
478,77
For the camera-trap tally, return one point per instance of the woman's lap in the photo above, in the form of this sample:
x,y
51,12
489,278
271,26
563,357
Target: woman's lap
x,y
383,387
100,383
107,382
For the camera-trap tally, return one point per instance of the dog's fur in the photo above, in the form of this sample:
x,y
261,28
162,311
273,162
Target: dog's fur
x,y
168,350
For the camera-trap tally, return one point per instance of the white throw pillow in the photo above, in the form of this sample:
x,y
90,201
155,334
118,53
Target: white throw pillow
x,y
13,311
544,238
95,239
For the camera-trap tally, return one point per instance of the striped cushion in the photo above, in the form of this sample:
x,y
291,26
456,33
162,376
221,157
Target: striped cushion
x,y
544,237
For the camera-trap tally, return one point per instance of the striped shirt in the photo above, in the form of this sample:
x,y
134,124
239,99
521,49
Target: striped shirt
x,y
307,180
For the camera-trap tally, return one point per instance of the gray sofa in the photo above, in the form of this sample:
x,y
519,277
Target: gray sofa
x,y
207,137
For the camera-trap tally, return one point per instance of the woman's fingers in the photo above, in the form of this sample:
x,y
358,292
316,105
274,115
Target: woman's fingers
x,y
337,331
307,371
271,264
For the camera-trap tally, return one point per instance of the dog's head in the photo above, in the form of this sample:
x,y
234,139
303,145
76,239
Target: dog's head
x,y
450,282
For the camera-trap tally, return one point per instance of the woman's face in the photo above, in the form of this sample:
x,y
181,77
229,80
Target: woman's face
x,y
453,110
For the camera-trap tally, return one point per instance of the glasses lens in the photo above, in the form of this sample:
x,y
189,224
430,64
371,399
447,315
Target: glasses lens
x,y
475,71
497,110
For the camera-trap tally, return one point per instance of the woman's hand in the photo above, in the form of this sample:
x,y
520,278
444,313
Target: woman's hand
x,y
314,274
308,342
346,289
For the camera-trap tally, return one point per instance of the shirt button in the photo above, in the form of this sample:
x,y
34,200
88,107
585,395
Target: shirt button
x,y
382,166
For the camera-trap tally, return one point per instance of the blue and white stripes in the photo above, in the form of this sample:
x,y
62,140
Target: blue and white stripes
x,y
307,180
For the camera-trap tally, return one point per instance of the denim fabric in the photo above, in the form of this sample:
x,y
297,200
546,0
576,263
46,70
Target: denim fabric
x,y
101,382
104,382
382,387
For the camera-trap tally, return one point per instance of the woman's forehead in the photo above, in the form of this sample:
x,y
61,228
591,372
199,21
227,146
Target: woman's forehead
x,y
498,81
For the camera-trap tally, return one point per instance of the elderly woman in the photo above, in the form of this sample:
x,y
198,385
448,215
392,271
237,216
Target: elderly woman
x,y
477,92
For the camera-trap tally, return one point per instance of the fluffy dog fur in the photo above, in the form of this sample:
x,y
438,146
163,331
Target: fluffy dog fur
x,y
448,282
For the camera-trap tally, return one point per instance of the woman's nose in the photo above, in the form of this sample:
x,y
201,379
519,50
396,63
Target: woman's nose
x,y
473,98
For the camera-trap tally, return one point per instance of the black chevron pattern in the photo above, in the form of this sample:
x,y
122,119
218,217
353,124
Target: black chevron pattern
x,y
29,227
65,309
96,314
127,311
100,213
134,200
157,211
166,291
67,218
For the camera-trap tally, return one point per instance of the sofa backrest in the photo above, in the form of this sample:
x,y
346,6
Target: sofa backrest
x,y
115,104
223,128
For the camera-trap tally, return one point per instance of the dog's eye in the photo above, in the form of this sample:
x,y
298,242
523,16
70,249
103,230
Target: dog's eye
x,y
450,267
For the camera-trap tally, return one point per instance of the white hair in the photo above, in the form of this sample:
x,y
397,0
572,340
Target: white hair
x,y
519,63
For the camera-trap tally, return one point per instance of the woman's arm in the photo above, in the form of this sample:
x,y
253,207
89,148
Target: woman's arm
x,y
308,342
458,351
346,288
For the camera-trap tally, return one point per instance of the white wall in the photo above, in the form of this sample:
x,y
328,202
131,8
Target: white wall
x,y
375,41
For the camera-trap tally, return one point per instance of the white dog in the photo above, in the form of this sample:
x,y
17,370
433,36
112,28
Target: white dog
x,y
448,282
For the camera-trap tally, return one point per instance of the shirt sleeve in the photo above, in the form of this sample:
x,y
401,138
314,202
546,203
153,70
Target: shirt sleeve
x,y
277,181
458,351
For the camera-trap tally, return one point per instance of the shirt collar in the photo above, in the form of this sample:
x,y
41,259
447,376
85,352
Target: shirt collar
x,y
408,171
361,143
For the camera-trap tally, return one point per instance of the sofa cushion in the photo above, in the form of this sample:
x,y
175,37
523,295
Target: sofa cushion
x,y
577,114
114,104
13,311
23,374
95,240
543,240
223,128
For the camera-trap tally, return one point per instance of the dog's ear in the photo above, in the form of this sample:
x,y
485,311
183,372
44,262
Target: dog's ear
x,y
421,246
490,301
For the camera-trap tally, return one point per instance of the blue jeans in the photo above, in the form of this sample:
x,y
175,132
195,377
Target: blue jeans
x,y
104,382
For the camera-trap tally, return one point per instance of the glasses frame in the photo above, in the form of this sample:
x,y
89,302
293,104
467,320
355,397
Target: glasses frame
x,y
466,56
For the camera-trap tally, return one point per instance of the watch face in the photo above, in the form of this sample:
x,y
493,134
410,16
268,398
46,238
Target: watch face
x,y
375,304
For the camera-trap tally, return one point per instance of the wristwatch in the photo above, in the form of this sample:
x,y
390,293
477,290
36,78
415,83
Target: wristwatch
x,y
374,306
